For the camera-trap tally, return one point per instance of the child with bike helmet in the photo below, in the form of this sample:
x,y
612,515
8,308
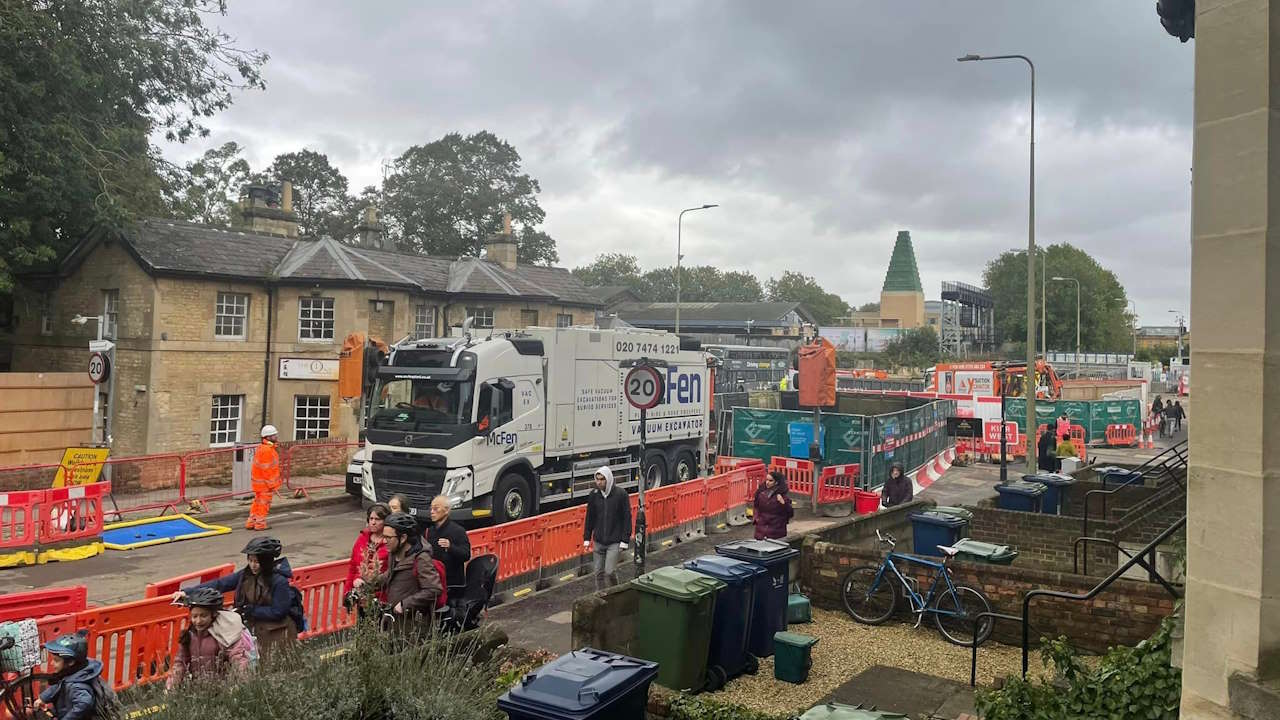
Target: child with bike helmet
x,y
411,586
215,642
263,596
78,693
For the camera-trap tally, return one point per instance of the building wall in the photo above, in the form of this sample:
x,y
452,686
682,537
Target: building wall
x,y
42,414
507,314
901,309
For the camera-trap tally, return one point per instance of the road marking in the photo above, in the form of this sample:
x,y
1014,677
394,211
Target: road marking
x,y
561,618
522,592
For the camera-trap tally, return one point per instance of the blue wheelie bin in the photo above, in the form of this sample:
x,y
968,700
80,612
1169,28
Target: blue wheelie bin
x,y
769,611
1021,495
1113,476
731,623
1056,487
931,528
584,685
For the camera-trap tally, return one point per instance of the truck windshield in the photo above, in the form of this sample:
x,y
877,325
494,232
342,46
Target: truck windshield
x,y
419,404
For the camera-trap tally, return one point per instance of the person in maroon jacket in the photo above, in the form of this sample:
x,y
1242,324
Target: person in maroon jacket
x,y
772,507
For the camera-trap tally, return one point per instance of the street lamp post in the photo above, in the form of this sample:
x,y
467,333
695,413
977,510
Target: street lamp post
x,y
101,426
679,256
1031,383
1177,314
1133,324
1077,282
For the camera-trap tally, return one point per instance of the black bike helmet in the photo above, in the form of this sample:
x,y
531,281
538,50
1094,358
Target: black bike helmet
x,y
205,597
73,647
402,523
263,545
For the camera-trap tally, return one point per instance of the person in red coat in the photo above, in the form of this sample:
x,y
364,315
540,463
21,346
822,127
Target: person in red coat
x,y
369,554
772,507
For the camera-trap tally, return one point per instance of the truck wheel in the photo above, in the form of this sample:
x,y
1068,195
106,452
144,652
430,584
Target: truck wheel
x,y
684,468
654,469
511,500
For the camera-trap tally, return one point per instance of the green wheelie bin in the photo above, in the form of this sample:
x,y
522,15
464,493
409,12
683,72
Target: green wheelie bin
x,y
673,624
984,552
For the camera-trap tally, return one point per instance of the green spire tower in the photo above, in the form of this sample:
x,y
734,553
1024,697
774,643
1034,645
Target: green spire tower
x,y
902,297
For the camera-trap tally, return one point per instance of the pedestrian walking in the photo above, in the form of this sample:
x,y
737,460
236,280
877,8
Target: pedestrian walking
x,y
215,644
412,587
266,478
450,545
1178,414
897,488
608,524
771,507
263,596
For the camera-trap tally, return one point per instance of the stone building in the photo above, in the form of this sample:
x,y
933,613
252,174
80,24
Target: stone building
x,y
902,303
220,331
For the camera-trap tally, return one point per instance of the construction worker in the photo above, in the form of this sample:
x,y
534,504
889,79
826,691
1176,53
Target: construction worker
x,y
266,478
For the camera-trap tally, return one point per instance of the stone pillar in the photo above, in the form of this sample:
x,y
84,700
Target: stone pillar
x,y
1233,531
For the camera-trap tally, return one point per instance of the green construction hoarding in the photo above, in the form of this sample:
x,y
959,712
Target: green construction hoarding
x,y
1093,416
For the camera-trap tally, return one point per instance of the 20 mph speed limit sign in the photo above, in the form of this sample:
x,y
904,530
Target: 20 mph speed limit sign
x,y
643,387
99,368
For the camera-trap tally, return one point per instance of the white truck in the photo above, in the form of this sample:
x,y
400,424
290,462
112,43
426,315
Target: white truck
x,y
513,422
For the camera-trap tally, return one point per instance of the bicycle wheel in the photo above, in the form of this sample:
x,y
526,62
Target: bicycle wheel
x,y
955,613
868,605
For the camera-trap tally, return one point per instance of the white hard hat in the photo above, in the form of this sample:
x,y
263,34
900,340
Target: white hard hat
x,y
269,430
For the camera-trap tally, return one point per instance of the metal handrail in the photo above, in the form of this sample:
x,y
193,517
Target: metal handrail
x,y
1175,451
1146,563
1026,600
977,620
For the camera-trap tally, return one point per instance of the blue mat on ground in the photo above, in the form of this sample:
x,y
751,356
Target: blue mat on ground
x,y
154,531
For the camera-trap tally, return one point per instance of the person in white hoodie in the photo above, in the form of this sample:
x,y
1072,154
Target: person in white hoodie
x,y
609,525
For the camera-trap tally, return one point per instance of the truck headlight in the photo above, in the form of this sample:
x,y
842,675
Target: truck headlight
x,y
366,482
458,486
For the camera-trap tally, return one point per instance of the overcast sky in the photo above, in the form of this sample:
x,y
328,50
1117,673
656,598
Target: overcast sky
x,y
821,128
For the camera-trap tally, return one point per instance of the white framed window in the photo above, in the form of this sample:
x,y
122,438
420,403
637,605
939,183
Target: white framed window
x,y
110,313
230,315
224,420
424,321
315,319
528,318
564,320
483,316
310,417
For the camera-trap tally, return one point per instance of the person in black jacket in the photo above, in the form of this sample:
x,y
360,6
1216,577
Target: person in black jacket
x,y
450,545
898,488
609,525
1046,456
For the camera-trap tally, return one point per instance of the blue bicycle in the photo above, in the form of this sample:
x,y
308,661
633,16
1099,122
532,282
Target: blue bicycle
x,y
871,593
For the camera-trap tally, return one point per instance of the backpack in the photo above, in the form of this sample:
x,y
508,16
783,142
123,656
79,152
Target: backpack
x,y
296,612
106,704
251,643
443,598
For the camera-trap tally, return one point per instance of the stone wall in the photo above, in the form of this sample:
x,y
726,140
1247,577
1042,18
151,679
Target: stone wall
x,y
1042,541
1126,613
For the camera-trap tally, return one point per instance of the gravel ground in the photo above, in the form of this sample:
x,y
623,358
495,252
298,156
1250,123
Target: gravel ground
x,y
845,648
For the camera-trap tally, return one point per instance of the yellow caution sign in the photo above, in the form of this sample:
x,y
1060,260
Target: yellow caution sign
x,y
84,464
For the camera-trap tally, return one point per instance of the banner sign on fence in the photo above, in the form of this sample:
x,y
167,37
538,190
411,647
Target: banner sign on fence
x,y
85,465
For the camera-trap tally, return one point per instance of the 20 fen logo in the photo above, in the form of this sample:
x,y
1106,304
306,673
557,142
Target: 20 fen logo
x,y
643,387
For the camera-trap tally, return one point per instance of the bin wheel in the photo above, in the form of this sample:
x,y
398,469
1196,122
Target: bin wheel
x,y
716,678
753,665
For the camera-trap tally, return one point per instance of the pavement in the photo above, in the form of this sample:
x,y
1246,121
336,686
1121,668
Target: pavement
x,y
913,694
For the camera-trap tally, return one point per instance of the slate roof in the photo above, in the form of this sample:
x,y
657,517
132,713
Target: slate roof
x,y
176,247
710,314
607,294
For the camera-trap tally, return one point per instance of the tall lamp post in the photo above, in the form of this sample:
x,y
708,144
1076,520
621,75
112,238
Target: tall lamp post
x,y
1133,323
679,256
1031,383
1178,316
1077,282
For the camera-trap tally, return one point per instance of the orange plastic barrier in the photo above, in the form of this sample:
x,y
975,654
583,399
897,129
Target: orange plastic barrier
x,y
481,542
691,508
1077,439
799,474
321,587
1122,435
717,495
518,546
561,540
166,588
35,603
836,483
72,513
662,508
726,464
19,518
135,640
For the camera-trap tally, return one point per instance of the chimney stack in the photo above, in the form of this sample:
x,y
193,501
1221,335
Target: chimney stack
x,y
501,247
371,233
265,210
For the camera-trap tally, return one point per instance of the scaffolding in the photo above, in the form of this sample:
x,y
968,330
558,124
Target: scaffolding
x,y
968,320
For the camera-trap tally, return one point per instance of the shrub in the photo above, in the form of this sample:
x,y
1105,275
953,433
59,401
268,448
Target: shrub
x,y
693,707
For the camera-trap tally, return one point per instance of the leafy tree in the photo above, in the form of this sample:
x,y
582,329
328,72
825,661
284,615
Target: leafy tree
x,y
916,348
801,288
1104,322
535,247
446,197
610,269
869,307
319,193
84,86
1160,354
739,286
209,186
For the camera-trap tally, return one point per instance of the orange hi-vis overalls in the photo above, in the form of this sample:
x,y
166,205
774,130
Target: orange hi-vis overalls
x,y
266,480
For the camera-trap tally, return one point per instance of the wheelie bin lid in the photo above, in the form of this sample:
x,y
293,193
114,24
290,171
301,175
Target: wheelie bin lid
x,y
794,639
577,684
1050,479
1022,487
990,552
837,711
764,550
726,569
933,517
678,584
963,513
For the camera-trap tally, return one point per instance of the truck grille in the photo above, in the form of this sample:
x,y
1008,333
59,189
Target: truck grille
x,y
415,482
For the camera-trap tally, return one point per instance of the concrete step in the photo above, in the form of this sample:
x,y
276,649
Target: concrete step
x,y
1253,699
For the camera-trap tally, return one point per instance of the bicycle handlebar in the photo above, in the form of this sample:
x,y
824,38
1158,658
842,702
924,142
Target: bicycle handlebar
x,y
886,538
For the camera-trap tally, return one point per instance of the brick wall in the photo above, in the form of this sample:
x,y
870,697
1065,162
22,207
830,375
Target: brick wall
x,y
1042,541
606,620
1128,612
1114,504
